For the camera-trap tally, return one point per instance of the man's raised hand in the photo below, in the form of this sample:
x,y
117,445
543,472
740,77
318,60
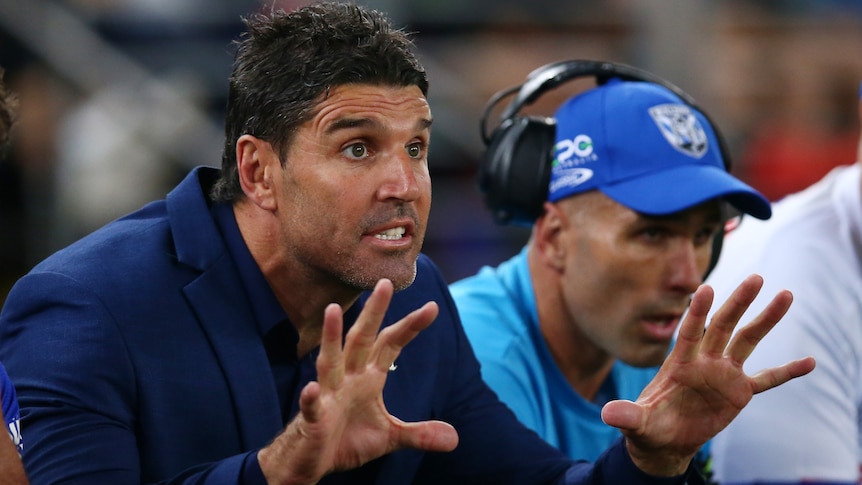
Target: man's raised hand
x,y
701,387
343,422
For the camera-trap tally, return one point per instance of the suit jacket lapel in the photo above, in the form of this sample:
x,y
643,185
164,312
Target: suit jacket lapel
x,y
225,316
223,311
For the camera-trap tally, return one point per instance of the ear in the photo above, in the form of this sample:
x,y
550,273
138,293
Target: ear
x,y
548,236
257,164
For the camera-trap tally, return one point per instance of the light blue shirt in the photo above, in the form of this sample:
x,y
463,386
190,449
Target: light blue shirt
x,y
498,310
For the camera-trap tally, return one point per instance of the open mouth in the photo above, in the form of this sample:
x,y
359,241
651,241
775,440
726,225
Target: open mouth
x,y
662,322
661,327
392,234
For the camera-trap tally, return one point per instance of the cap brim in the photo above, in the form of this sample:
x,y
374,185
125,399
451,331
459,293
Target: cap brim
x,y
682,187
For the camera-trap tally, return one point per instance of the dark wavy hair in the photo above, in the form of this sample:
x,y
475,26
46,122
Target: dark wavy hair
x,y
286,63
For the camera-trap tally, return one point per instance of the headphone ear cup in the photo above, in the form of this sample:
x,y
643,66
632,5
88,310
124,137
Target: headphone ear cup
x,y
516,168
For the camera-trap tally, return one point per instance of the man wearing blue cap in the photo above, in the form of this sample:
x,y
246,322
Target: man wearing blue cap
x,y
247,328
586,312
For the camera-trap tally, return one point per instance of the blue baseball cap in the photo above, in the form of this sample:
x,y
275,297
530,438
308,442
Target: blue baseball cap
x,y
647,149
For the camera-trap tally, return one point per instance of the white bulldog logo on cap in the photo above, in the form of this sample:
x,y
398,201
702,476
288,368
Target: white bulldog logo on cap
x,y
680,128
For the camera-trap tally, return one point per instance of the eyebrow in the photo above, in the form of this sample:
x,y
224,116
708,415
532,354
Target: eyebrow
x,y
346,123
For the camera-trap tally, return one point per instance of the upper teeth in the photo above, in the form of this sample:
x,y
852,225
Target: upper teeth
x,y
394,233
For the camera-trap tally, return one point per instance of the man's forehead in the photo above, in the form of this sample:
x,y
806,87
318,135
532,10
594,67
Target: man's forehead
x,y
382,94
363,105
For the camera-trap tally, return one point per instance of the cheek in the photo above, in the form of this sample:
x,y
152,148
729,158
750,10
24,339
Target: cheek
x,y
423,178
326,188
703,256
596,258
425,188
606,273
586,282
311,201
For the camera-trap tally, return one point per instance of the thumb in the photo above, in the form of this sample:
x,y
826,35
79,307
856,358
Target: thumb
x,y
625,415
429,436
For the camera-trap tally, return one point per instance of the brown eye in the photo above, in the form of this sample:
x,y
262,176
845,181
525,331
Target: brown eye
x,y
357,150
414,151
654,234
706,234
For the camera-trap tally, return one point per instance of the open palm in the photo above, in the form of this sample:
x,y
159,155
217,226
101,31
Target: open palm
x,y
343,422
702,387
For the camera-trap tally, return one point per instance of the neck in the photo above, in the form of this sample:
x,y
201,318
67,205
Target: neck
x,y
302,293
584,365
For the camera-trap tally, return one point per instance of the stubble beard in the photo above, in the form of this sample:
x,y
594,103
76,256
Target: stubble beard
x,y
357,275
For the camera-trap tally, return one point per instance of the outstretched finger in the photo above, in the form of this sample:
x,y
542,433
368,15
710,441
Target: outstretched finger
x,y
359,341
623,414
725,319
395,337
691,329
428,436
776,376
309,402
330,361
746,339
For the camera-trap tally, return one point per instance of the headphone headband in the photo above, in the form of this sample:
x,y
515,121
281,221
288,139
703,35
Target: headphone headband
x,y
515,170
549,76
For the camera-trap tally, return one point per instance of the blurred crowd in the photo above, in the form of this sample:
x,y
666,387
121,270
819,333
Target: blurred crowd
x,y
118,98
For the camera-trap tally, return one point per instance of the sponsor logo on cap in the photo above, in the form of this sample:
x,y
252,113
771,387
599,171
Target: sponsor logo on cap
x,y
680,128
576,151
569,177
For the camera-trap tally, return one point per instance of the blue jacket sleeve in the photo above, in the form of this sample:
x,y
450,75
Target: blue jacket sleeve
x,y
80,430
615,466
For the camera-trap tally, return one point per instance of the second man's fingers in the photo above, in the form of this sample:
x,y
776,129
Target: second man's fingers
x,y
691,329
776,376
747,338
726,318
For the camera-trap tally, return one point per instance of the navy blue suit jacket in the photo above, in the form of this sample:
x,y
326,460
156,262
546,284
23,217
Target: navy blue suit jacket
x,y
137,358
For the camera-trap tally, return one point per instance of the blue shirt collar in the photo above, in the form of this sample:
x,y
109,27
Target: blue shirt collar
x,y
267,310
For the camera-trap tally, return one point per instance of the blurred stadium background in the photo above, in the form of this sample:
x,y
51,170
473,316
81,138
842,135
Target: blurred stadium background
x,y
118,98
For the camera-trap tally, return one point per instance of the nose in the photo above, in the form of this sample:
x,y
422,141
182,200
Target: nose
x,y
687,266
403,178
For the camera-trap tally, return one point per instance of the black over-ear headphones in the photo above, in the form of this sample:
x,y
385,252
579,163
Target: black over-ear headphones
x,y
515,170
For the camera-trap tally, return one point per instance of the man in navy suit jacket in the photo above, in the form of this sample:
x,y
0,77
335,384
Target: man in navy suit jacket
x,y
231,333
